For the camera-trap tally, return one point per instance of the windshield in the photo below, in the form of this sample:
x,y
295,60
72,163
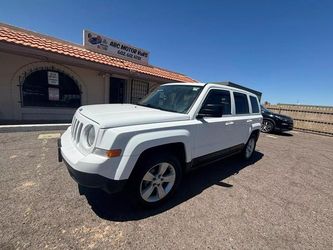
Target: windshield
x,y
174,98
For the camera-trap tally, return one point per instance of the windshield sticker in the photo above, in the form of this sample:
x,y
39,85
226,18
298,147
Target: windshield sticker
x,y
195,88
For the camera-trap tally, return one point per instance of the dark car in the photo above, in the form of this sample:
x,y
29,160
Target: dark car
x,y
275,122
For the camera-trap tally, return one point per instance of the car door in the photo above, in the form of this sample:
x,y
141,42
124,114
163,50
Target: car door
x,y
242,118
214,134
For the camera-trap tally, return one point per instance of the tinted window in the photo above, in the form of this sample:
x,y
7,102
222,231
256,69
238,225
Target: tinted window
x,y
219,97
254,104
46,88
241,103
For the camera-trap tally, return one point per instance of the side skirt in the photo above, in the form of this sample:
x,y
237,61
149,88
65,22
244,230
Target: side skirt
x,y
214,157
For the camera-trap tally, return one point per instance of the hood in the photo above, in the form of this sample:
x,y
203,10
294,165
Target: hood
x,y
282,116
118,115
276,114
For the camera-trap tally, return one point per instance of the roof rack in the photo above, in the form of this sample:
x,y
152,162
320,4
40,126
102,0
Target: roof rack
x,y
235,85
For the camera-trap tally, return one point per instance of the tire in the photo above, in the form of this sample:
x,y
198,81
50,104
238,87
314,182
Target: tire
x,y
267,126
156,178
250,147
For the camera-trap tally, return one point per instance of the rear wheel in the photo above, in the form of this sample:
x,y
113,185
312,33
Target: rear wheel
x,y
250,147
267,126
156,179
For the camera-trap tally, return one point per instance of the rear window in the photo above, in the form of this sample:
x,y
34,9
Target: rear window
x,y
241,103
254,104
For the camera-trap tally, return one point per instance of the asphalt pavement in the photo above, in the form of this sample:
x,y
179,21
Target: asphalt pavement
x,y
281,199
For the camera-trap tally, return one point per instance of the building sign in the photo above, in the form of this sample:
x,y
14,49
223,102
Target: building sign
x,y
53,94
53,78
108,46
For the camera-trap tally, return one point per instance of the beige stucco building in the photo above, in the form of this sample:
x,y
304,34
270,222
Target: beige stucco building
x,y
44,78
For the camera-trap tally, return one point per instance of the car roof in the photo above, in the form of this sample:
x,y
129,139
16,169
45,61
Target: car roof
x,y
225,85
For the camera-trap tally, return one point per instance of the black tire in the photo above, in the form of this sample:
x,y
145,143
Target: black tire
x,y
267,126
252,142
150,163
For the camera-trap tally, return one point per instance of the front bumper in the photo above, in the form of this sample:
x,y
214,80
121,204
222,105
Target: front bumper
x,y
284,126
91,180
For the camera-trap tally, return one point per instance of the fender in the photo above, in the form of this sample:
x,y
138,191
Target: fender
x,y
256,125
139,143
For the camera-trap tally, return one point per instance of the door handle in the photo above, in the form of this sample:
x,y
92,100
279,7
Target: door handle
x,y
249,121
229,123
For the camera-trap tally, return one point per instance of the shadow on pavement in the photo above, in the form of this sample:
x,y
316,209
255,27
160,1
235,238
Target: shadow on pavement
x,y
282,133
120,207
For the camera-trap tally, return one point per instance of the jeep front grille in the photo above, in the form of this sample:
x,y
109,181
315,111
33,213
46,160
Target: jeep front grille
x,y
76,129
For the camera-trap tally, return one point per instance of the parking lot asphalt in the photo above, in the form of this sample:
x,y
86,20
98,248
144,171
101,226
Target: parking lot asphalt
x,y
281,199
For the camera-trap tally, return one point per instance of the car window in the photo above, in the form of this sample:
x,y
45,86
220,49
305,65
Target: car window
x,y
241,103
219,97
254,104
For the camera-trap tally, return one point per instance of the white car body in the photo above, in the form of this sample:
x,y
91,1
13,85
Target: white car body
x,y
134,129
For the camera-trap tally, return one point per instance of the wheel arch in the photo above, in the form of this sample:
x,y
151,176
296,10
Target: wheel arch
x,y
177,149
269,119
255,133
141,145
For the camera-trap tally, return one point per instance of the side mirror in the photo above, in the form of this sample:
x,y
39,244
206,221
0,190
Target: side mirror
x,y
210,110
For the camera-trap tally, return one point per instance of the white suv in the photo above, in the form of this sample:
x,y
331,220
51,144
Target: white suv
x,y
149,146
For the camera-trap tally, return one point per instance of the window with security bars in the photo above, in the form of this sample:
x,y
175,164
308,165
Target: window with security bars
x,y
139,90
50,88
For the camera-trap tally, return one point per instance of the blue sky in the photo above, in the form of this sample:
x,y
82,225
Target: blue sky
x,y
281,48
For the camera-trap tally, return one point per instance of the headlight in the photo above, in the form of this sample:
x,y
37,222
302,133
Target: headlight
x,y
90,135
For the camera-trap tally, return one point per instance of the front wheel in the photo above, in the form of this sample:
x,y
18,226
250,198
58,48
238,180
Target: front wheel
x,y
156,179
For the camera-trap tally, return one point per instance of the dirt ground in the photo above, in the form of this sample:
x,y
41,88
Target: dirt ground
x,y
282,199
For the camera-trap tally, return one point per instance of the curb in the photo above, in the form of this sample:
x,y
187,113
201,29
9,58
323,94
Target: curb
x,y
33,127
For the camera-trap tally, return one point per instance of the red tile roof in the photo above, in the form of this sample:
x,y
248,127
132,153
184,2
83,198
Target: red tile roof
x,y
30,39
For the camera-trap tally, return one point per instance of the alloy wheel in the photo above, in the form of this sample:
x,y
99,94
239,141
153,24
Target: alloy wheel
x,y
157,182
266,126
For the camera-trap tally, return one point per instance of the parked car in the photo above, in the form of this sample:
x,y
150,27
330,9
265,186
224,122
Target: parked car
x,y
146,148
275,122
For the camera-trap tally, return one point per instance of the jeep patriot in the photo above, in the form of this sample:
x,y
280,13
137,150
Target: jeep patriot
x,y
147,147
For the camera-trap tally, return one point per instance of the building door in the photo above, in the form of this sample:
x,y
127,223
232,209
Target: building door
x,y
117,90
